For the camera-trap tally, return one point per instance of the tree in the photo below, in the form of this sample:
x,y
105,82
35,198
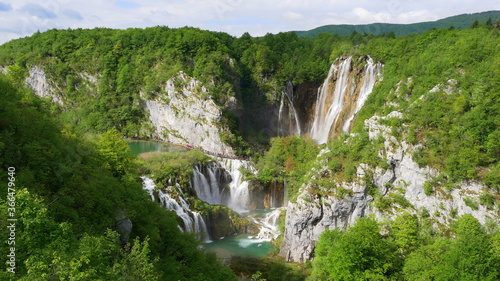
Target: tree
x,y
115,152
360,253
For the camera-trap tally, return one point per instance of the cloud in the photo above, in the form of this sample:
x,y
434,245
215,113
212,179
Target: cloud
x,y
72,14
127,4
292,16
5,7
38,11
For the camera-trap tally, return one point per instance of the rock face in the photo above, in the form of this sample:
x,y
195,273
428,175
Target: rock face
x,y
185,114
37,80
312,214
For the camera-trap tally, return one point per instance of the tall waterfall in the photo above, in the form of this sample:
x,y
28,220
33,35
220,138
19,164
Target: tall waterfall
x,y
370,75
287,113
324,116
341,96
193,221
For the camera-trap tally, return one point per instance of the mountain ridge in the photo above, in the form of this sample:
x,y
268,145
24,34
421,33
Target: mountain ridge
x,y
461,21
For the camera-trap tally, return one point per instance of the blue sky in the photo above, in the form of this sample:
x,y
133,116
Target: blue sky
x,y
19,18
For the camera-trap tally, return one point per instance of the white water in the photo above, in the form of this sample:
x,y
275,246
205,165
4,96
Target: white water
x,y
287,95
370,74
207,189
239,199
193,221
269,225
323,119
326,118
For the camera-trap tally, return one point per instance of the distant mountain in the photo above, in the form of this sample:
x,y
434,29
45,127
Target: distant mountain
x,y
461,22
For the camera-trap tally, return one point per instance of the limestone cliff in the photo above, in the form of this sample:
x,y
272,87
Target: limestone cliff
x,y
401,186
184,113
37,80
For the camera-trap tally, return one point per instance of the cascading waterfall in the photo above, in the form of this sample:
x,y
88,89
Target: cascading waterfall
x,y
206,182
325,117
207,189
200,227
193,221
370,74
336,109
269,225
239,199
293,127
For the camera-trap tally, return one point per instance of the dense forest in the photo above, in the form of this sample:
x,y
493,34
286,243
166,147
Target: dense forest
x,y
77,185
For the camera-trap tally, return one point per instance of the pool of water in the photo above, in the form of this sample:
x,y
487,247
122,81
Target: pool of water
x,y
138,147
241,245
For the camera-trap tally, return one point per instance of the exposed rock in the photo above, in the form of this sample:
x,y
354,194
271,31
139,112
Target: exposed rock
x,y
311,214
37,80
184,114
123,227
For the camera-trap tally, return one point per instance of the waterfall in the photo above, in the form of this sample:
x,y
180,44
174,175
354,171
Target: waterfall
x,y
193,221
325,118
370,74
336,109
149,185
293,127
269,225
200,227
239,199
207,189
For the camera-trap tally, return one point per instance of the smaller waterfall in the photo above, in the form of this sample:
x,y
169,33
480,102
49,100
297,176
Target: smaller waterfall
x,y
269,225
291,127
200,227
239,192
193,221
207,189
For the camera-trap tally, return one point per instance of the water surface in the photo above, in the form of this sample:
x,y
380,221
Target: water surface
x,y
240,245
138,147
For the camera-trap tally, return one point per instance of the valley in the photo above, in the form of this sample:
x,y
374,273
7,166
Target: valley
x,y
183,154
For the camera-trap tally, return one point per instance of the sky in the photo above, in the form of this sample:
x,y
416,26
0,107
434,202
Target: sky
x,y
20,18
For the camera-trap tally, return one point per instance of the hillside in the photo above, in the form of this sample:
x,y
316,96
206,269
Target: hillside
x,y
460,22
385,149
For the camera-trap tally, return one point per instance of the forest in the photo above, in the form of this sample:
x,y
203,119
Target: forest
x,y
77,184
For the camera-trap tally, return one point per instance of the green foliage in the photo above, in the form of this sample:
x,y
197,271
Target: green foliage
x,y
445,259
270,269
360,253
407,251
66,218
288,159
172,166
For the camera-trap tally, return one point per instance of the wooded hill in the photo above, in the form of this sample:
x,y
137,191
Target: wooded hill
x,y
460,22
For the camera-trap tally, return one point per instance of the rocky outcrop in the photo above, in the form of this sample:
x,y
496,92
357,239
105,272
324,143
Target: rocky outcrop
x,y
313,213
310,216
37,80
185,114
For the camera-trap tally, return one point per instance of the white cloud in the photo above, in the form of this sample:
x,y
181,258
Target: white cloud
x,y
23,17
292,16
